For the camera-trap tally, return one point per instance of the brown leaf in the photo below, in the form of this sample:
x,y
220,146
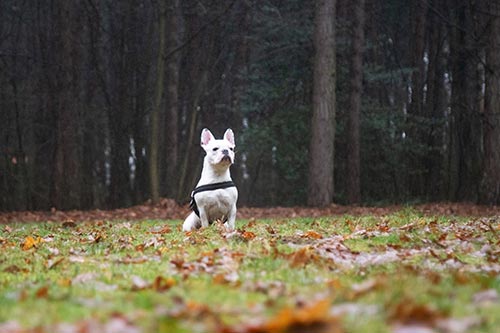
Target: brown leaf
x,y
69,224
247,235
51,263
408,312
162,230
64,282
270,230
302,257
30,242
309,318
131,260
161,283
311,234
252,223
42,292
14,269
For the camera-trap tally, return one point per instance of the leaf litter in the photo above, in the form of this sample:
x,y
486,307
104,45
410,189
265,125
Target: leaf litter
x,y
284,275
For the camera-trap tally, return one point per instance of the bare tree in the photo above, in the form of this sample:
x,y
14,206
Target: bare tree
x,y
490,185
172,97
356,86
154,175
320,182
67,164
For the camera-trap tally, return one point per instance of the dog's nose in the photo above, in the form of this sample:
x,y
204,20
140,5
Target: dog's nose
x,y
225,152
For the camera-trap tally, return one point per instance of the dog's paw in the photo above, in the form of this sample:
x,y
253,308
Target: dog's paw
x,y
191,223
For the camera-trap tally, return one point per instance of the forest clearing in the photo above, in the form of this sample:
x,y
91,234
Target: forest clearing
x,y
391,271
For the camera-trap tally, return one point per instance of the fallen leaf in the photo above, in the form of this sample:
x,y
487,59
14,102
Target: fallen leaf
x,y
69,224
310,318
302,256
161,230
311,234
64,282
51,263
14,269
161,283
408,312
131,260
30,242
42,292
270,230
248,235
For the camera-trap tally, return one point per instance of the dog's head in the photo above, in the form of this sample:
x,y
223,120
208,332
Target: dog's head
x,y
219,151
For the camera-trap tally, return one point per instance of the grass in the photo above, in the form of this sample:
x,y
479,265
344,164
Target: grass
x,y
374,273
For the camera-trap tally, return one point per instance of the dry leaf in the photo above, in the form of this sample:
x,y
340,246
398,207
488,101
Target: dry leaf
x,y
30,242
69,224
161,284
247,235
310,318
42,292
14,269
51,263
302,257
409,313
161,230
64,282
311,234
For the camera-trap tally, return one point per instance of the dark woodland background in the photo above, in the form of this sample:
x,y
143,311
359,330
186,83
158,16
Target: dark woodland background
x,y
102,101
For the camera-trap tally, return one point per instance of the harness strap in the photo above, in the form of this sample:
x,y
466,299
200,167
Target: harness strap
x,y
208,187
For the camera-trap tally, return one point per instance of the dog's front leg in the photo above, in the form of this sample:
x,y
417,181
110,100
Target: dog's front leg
x,y
231,218
203,217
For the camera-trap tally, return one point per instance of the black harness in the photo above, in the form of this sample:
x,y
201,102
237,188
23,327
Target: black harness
x,y
208,187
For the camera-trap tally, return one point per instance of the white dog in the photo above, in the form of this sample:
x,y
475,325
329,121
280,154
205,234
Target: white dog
x,y
215,196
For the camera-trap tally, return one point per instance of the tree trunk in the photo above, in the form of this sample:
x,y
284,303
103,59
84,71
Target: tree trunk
x,y
415,121
356,83
154,177
490,184
172,99
435,105
321,164
465,130
66,181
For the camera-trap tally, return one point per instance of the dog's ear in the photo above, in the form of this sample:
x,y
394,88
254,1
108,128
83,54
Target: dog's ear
x,y
206,136
229,136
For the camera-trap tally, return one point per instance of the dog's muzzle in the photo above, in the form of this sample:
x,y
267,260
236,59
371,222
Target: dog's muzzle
x,y
226,158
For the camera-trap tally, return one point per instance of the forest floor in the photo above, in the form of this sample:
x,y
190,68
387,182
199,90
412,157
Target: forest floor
x,y
168,209
427,269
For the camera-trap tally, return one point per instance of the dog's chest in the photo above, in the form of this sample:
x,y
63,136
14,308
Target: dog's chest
x,y
217,203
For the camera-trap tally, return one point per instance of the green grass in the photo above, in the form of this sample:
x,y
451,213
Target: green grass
x,y
374,272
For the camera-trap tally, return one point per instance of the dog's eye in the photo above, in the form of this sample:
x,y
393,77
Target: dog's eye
x,y
232,149
215,148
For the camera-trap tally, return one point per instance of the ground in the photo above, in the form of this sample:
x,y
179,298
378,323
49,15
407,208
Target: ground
x,y
428,268
168,209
